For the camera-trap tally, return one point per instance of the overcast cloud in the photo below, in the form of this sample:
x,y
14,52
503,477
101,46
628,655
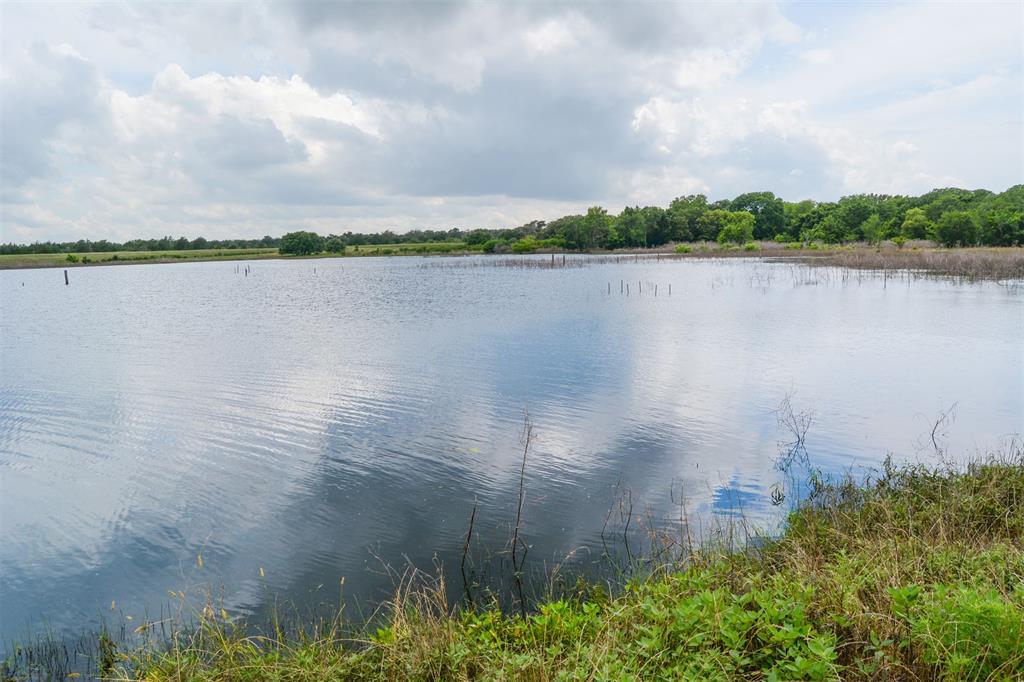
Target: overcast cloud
x,y
239,120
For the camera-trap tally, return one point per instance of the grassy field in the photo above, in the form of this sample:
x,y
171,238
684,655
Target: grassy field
x,y
406,249
917,574
54,260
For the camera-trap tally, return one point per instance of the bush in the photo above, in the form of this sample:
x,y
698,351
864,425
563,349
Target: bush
x,y
525,245
899,241
493,245
683,248
71,258
751,246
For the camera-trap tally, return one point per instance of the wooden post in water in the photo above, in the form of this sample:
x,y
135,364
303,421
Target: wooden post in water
x,y
66,278
655,289
640,287
620,286
627,290
669,289
609,288
563,260
552,260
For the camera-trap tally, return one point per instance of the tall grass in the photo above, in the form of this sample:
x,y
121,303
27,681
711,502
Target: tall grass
x,y
914,574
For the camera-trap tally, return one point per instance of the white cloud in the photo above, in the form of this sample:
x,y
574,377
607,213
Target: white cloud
x,y
551,36
239,120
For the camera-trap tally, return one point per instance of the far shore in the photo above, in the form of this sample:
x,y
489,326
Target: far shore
x,y
986,263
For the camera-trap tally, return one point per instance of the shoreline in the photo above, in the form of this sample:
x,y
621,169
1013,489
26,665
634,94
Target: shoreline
x,y
971,263
916,572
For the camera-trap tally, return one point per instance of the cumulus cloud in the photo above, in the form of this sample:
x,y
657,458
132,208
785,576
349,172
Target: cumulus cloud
x,y
143,119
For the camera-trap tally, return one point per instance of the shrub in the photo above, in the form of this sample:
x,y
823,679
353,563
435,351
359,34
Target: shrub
x,y
751,246
899,240
71,258
525,245
683,248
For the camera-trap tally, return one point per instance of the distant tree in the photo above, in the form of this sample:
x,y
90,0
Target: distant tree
x,y
794,213
477,237
301,243
631,227
832,229
334,244
594,228
656,225
853,211
737,227
710,224
1002,227
682,216
916,224
768,210
956,228
871,229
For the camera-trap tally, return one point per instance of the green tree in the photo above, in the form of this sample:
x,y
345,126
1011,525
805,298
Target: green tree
x,y
477,237
956,228
631,227
872,229
916,224
301,243
682,216
334,244
594,228
768,210
656,225
853,211
737,227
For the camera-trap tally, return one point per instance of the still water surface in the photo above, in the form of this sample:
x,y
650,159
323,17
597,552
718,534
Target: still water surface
x,y
316,424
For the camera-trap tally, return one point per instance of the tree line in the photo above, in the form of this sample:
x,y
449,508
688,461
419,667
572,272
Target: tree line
x,y
950,217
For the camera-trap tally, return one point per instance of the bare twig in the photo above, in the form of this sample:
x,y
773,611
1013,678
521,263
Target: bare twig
x,y
465,554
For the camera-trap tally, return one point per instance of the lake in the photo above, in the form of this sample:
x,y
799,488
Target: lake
x,y
320,419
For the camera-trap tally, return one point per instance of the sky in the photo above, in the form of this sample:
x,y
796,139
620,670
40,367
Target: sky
x,y
121,120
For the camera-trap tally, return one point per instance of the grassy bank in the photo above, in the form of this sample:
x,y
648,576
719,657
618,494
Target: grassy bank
x,y
915,259
915,575
57,260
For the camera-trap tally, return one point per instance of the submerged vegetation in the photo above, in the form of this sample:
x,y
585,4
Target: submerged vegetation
x,y
914,574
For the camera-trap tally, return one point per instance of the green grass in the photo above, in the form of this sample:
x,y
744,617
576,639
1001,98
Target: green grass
x,y
53,260
413,248
915,575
